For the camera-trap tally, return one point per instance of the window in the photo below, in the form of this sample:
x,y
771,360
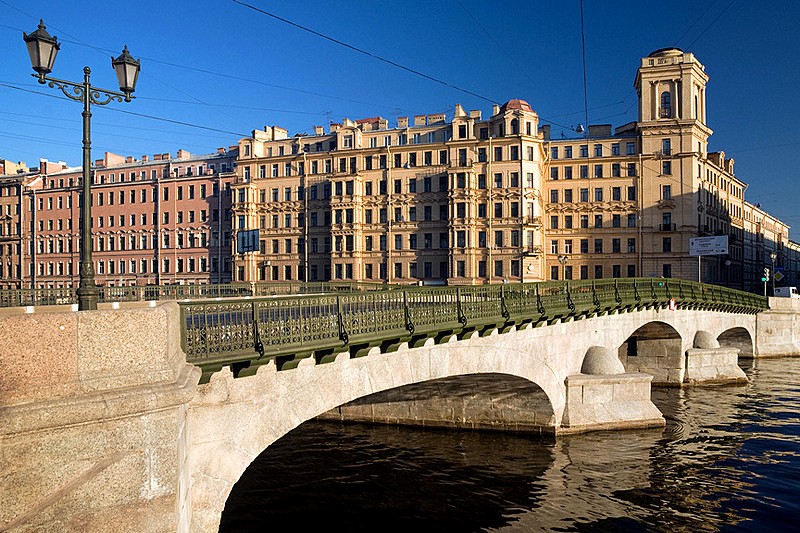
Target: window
x,y
615,170
598,221
554,222
666,270
615,246
584,221
568,196
631,220
615,149
630,148
598,150
616,221
631,246
584,150
554,247
632,194
598,171
631,169
568,152
598,246
554,173
598,272
598,194
554,152
584,195
554,196
666,245
666,192
584,247
584,172
567,173
568,221
498,238
666,149
616,194
666,167
666,105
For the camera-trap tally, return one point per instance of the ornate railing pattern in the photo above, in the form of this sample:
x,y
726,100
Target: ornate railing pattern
x,y
140,293
247,333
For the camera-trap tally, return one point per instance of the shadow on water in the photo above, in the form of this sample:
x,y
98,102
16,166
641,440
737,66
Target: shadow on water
x,y
727,461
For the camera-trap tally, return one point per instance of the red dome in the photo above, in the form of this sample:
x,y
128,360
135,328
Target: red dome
x,y
516,104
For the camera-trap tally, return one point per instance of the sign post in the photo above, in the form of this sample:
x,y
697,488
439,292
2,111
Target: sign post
x,y
700,246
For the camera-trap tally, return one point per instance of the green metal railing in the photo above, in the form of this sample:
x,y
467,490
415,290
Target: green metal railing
x,y
247,333
63,296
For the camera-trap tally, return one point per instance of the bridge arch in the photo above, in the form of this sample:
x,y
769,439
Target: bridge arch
x,y
234,420
654,348
738,337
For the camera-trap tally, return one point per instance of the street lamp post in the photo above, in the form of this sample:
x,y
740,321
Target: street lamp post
x,y
42,49
563,260
773,256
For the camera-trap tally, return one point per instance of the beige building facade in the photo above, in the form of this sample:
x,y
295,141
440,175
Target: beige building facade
x,y
430,201
478,200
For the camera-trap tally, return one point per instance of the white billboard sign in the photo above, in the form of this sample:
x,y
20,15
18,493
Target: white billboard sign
x,y
717,245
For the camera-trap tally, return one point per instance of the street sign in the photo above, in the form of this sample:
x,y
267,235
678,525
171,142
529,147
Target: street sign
x,y
778,275
247,241
717,245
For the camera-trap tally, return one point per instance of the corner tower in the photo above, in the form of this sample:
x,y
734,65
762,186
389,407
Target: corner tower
x,y
671,85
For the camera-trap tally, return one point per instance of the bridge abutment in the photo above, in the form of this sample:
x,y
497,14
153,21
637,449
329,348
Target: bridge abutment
x,y
778,328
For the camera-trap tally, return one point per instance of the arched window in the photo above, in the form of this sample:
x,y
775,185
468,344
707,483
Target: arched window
x,y
666,105
514,127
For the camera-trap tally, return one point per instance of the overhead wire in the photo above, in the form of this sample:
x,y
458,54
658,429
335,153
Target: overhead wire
x,y
363,52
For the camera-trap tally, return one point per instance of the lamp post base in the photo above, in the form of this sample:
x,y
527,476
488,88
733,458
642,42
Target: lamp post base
x,y
87,298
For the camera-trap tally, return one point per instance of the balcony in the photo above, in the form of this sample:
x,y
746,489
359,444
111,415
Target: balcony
x,y
533,221
461,163
666,227
532,250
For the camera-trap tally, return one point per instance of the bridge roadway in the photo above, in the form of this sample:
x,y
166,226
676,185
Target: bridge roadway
x,y
113,399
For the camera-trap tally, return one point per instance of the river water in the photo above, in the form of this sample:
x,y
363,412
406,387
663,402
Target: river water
x,y
728,460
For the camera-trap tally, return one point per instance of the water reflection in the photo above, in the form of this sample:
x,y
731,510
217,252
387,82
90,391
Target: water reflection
x,y
727,461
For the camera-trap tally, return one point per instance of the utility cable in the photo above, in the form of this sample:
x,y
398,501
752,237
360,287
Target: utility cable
x,y
363,52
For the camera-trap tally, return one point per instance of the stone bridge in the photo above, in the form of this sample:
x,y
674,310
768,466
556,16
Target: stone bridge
x,y
115,420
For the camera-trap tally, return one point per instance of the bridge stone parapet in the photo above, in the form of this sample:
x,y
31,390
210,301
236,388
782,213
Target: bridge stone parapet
x,y
94,421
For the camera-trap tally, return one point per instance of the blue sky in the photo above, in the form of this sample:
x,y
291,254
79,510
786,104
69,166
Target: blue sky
x,y
226,69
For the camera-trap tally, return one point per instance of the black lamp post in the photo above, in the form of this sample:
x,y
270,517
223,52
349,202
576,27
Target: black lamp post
x,y
42,49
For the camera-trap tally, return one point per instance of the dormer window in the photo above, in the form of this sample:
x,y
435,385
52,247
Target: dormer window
x,y
666,105
347,141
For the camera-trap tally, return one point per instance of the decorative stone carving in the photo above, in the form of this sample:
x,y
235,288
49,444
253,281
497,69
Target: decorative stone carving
x,y
600,361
